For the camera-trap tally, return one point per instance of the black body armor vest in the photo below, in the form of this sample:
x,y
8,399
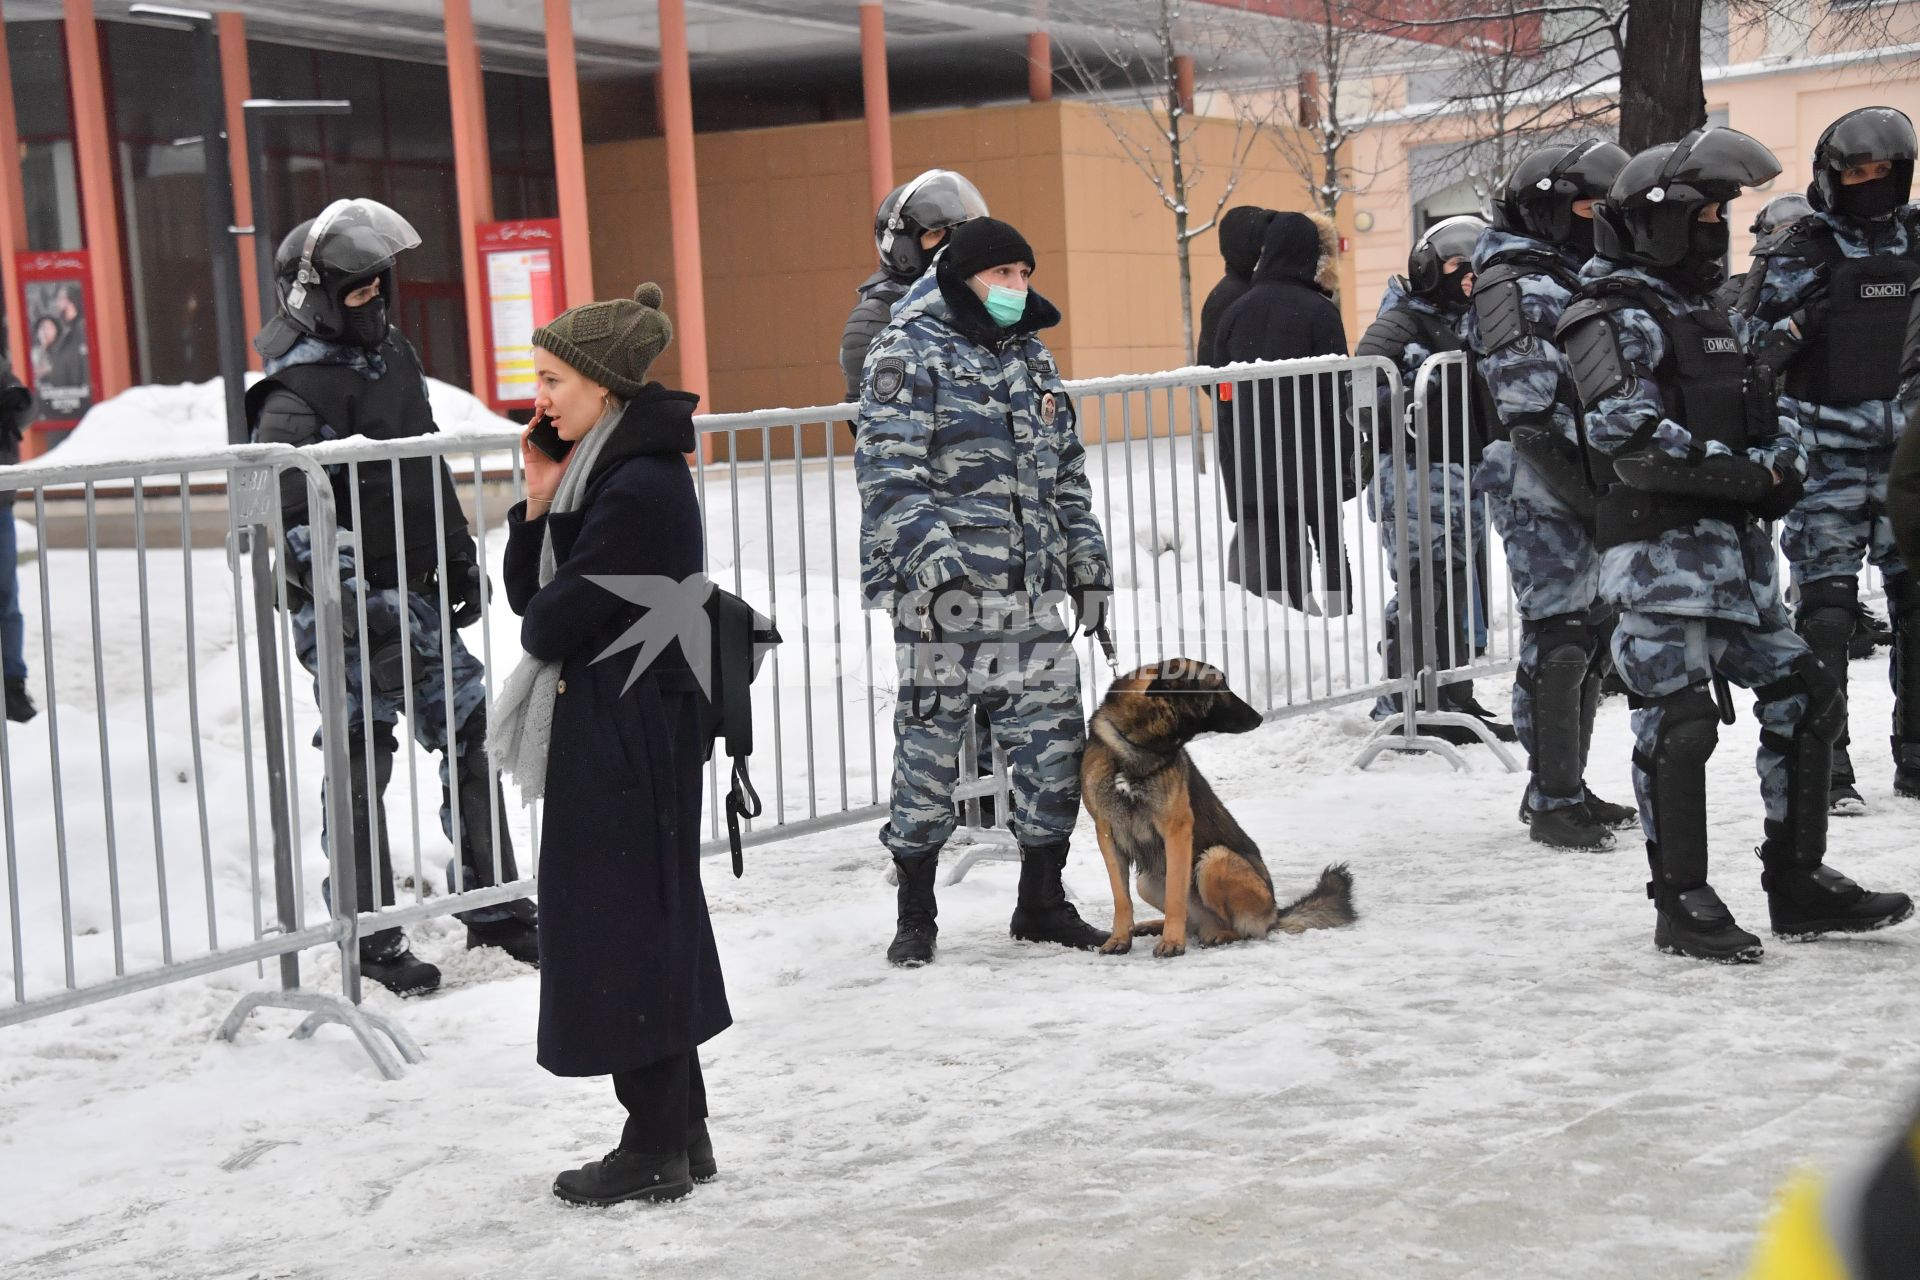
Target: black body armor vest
x,y
391,407
1853,351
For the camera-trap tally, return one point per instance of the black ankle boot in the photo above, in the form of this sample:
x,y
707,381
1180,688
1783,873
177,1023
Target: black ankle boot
x,y
20,708
1043,913
513,935
1570,827
700,1162
626,1175
918,921
1695,923
1807,901
1615,817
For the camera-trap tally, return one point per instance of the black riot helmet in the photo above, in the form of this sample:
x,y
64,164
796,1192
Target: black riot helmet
x,y
1780,213
351,243
1862,137
1651,216
934,201
1538,196
1445,239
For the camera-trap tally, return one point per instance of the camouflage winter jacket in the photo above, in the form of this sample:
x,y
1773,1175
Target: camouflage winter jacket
x,y
1787,282
968,461
1710,568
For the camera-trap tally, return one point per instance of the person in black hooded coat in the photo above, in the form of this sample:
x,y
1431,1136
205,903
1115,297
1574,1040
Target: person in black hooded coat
x,y
1287,465
1243,229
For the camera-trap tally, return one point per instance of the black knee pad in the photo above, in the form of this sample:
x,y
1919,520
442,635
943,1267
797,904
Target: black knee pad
x,y
1689,728
1826,715
1826,614
1560,630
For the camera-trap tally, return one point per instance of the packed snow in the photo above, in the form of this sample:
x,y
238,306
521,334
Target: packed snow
x,y
1492,1073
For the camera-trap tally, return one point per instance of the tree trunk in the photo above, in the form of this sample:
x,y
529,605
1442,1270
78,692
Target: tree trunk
x,y
1661,97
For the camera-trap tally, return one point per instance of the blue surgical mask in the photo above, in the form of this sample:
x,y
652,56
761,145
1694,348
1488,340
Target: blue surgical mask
x,y
1005,305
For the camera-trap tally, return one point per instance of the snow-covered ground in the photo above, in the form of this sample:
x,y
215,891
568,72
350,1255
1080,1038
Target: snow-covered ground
x,y
1491,1074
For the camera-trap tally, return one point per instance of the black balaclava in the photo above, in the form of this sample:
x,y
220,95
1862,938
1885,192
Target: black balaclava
x,y
367,324
1705,264
1580,238
1870,201
1451,294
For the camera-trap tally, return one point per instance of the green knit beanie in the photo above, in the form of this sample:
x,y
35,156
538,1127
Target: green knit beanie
x,y
614,343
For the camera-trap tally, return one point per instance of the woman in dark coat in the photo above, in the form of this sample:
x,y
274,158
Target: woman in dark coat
x,y
1288,466
1243,230
629,975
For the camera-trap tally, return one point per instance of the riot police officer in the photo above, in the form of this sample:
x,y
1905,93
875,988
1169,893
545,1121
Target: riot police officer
x,y
1774,218
1693,457
1827,304
336,368
1419,317
910,226
1526,269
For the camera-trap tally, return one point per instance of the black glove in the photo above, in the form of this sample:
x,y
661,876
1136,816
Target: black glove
x,y
1777,501
1093,606
467,587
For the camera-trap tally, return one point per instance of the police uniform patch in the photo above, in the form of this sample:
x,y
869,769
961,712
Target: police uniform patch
x,y
1048,407
888,377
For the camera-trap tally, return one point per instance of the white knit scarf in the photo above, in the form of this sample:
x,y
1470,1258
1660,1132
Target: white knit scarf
x,y
520,726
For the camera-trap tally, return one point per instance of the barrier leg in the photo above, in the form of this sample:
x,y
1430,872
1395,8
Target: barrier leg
x,y
367,1026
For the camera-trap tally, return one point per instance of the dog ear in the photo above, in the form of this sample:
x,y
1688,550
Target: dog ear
x,y
1186,675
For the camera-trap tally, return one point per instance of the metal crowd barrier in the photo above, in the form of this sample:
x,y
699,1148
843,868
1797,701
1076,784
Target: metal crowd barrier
x,y
782,513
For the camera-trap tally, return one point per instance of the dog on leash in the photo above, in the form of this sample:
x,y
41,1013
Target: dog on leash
x,y
1156,816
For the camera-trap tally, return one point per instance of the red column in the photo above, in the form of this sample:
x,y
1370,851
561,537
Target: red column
x,y
1183,80
569,152
1039,66
873,81
236,81
472,172
688,305
93,156
13,219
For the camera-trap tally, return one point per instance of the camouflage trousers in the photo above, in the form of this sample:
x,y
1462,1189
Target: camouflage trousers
x,y
1448,560
1555,572
1661,654
1031,690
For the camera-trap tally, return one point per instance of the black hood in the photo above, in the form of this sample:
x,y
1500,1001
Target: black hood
x,y
657,421
1243,229
1290,250
970,316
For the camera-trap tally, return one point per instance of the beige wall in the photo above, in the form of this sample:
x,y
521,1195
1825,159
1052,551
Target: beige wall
x,y
786,234
1784,107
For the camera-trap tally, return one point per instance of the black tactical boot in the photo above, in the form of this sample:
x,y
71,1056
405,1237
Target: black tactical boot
x,y
1043,913
1808,900
20,708
626,1175
700,1162
1845,801
1697,924
918,927
1571,827
387,960
1869,632
518,938
1617,817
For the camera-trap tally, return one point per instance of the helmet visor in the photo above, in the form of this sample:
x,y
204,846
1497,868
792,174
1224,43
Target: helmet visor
x,y
1454,237
1873,133
943,199
354,238
1720,158
1591,168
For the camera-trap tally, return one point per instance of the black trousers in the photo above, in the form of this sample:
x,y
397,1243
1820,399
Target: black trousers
x,y
665,1100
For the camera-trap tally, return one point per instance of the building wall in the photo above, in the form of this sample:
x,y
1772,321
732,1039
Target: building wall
x,y
1787,108
786,235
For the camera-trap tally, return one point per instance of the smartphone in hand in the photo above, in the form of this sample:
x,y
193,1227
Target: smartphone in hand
x,y
546,438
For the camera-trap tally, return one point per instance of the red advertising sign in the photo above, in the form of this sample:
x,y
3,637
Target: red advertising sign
x,y
56,302
520,275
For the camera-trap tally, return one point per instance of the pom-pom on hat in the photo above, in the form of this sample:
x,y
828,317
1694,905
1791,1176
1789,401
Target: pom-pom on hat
x,y
614,343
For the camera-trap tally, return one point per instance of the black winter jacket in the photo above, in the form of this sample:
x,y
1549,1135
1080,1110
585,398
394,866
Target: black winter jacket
x,y
1242,231
629,973
1303,459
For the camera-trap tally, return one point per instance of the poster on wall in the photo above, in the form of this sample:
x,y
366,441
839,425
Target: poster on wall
x,y
520,265
56,305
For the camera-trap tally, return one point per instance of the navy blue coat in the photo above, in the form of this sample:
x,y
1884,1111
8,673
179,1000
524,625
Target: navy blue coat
x,y
629,973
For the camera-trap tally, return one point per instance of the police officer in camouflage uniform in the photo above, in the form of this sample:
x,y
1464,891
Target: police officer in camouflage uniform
x,y
1526,269
976,524
1776,216
335,368
1419,317
1826,304
1692,456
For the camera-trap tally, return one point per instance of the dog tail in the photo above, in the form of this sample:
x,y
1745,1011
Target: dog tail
x,y
1328,905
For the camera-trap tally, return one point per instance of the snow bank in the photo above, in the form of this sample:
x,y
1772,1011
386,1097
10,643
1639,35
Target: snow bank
x,y
169,421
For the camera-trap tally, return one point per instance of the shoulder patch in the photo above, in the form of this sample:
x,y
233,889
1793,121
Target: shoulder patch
x,y
889,377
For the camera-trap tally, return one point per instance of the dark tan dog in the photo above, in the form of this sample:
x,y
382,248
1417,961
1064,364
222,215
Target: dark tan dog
x,y
1155,814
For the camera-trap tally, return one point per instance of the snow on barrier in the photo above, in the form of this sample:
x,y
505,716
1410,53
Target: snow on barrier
x,y
1241,523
